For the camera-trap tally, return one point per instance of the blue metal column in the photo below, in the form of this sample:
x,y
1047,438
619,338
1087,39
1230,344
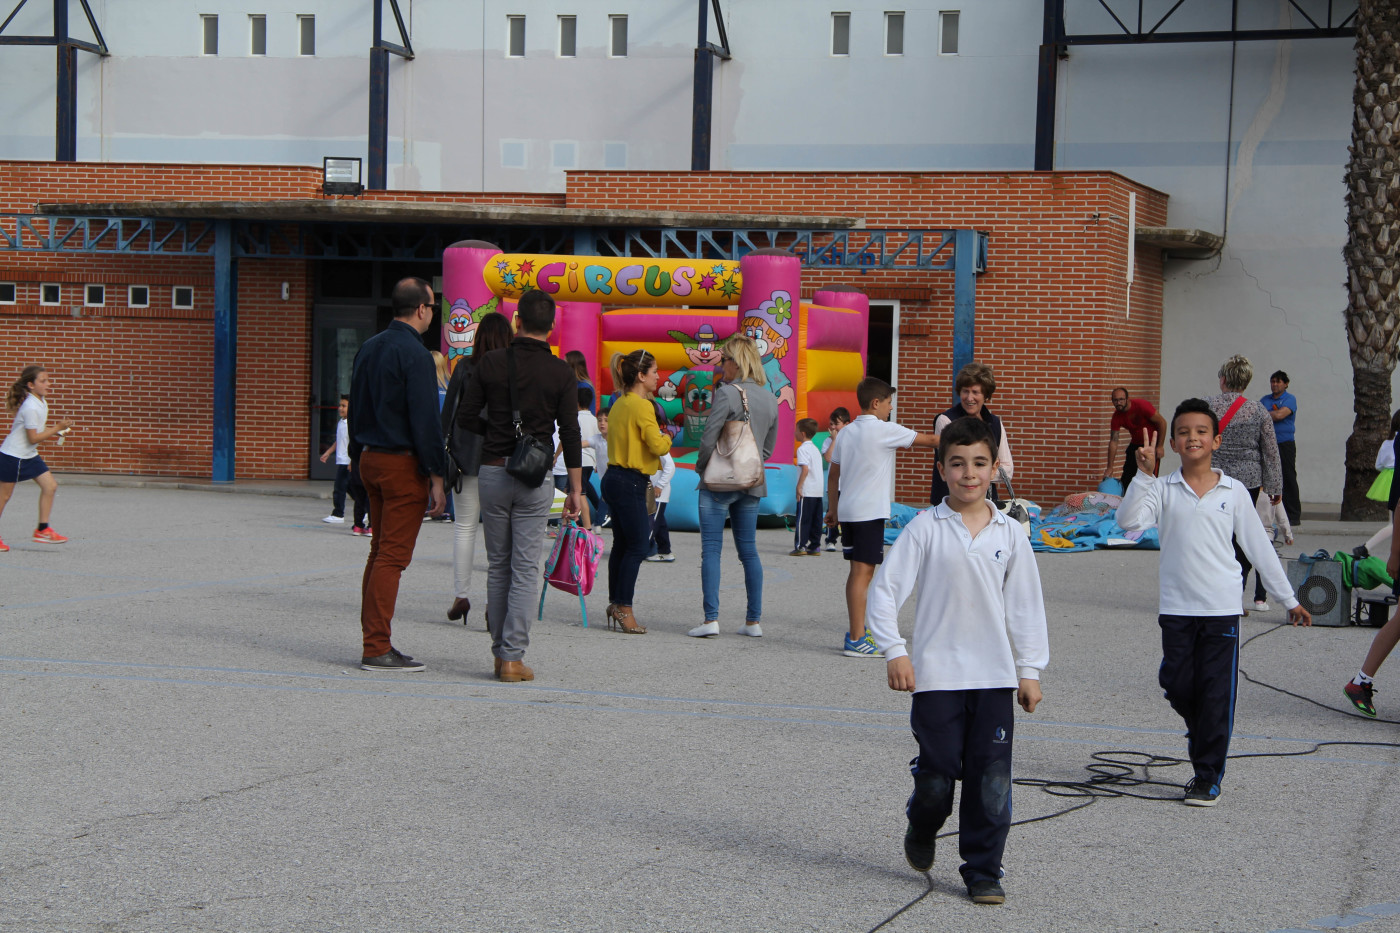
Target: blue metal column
x,y
702,96
378,177
66,116
964,297
225,351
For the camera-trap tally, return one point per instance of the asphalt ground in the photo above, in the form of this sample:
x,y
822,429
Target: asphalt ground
x,y
190,745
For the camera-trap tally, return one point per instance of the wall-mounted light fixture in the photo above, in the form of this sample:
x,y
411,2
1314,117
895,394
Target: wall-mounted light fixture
x,y
341,175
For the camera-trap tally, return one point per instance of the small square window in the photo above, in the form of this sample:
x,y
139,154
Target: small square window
x,y
618,48
894,33
306,26
50,294
210,24
614,155
8,293
948,32
182,297
840,34
563,155
515,36
568,36
257,34
95,296
138,296
513,153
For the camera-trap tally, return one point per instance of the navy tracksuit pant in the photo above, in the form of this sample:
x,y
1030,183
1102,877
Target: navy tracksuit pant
x,y
808,531
1200,663
964,735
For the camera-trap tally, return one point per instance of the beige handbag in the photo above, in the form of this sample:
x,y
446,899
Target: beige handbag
x,y
735,464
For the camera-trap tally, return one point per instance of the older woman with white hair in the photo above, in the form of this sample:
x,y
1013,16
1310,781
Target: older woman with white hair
x,y
741,369
1248,449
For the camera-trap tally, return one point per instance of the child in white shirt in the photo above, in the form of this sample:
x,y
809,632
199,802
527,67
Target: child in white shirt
x,y
858,497
19,454
659,547
837,420
341,449
979,638
807,534
1197,511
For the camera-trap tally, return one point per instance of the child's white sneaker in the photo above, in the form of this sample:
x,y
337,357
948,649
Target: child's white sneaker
x,y
705,631
334,520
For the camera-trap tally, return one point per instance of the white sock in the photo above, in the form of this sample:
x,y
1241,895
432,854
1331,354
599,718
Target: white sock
x,y
1361,679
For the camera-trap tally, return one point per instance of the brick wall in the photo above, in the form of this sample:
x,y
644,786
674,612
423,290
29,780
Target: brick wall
x,y
1052,309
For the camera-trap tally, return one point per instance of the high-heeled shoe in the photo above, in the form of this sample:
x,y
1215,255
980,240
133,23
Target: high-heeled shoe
x,y
460,607
621,618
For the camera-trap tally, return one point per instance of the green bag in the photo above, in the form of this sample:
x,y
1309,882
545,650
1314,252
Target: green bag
x,y
1366,574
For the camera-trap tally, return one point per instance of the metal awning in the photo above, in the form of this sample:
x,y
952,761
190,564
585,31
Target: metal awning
x,y
1182,242
314,210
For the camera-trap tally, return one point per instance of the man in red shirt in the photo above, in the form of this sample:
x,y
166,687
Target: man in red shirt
x,y
1134,415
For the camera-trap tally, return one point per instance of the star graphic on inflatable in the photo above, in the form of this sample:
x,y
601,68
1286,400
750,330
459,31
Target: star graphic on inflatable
x,y
508,278
718,269
502,266
527,267
728,288
707,283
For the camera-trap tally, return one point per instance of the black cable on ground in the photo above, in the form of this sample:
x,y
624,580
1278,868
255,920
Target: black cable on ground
x,y
1112,775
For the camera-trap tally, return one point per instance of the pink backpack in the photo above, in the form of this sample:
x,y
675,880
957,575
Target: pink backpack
x,y
572,564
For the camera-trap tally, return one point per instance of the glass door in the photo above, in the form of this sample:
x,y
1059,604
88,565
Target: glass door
x,y
337,334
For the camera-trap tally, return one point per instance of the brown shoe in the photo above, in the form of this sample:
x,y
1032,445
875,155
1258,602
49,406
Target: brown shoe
x,y
498,668
460,607
513,671
622,619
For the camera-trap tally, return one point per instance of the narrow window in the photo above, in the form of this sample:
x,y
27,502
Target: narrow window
x,y
257,34
307,34
948,32
138,296
515,36
50,294
210,24
182,297
568,36
8,293
894,33
840,34
95,296
619,36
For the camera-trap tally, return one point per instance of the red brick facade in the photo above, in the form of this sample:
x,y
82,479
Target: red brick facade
x,y
1052,308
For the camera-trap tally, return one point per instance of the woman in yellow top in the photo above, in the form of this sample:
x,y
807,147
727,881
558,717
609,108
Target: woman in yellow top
x,y
635,446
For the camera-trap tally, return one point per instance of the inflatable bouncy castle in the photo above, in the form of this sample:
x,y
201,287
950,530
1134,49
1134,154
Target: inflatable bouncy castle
x,y
681,311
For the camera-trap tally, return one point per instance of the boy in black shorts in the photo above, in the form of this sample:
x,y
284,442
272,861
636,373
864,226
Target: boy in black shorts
x,y
858,496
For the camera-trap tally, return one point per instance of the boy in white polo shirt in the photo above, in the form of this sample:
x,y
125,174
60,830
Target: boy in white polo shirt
x,y
858,497
1197,511
979,637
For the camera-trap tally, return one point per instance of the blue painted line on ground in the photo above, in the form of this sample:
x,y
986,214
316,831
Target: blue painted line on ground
x,y
176,587
651,698
501,700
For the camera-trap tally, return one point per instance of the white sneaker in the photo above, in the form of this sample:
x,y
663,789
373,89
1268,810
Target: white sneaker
x,y
334,520
704,631
657,559
1261,606
830,546
752,628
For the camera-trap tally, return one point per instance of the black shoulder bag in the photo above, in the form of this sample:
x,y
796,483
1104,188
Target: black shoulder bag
x,y
531,460
463,447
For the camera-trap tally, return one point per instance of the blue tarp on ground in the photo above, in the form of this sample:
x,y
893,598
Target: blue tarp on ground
x,y
1085,521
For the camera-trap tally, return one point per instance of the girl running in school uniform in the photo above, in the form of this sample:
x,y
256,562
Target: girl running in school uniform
x,y
19,454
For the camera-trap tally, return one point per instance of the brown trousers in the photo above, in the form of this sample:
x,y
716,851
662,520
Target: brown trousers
x,y
398,497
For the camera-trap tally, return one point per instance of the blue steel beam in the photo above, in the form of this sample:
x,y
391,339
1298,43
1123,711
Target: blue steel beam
x,y
225,352
964,298
932,250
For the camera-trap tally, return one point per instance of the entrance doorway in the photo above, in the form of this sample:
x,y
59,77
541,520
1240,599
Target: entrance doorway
x,y
337,333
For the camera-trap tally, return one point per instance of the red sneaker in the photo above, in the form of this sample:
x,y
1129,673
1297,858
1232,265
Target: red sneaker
x,y
48,536
3,546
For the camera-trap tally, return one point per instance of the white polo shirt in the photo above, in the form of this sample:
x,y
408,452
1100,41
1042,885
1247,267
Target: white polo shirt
x,y
33,413
342,442
981,625
811,458
1198,574
865,452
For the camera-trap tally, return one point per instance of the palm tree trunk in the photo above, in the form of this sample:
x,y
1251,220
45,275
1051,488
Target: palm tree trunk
x,y
1373,235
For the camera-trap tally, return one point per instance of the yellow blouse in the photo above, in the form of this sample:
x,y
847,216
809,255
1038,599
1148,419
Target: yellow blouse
x,y
635,440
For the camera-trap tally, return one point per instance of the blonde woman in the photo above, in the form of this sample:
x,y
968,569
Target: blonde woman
x,y
741,367
635,445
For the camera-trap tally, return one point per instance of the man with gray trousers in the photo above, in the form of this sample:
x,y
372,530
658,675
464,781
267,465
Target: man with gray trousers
x,y
514,515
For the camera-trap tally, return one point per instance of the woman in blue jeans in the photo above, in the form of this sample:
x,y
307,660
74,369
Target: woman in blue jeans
x,y
741,367
635,445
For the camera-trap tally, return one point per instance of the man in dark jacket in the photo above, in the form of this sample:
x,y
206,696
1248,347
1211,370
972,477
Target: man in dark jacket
x,y
514,515
396,438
